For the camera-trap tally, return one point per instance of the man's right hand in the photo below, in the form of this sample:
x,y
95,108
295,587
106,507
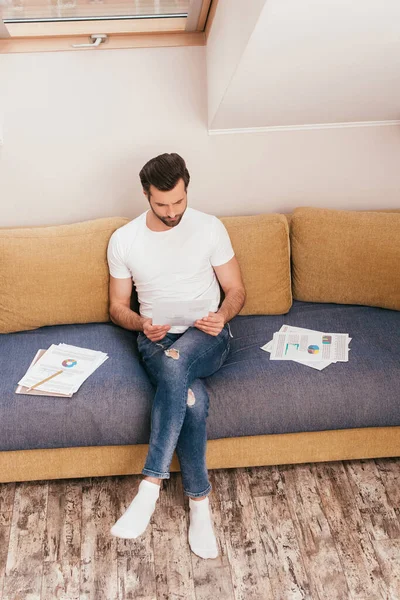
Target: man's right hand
x,y
155,333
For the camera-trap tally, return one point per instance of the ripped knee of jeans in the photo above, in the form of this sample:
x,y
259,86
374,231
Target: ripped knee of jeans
x,y
172,353
190,398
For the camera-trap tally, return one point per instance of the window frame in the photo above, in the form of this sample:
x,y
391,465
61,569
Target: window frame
x,y
124,33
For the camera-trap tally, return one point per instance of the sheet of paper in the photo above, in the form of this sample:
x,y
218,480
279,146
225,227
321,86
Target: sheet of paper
x,y
319,365
181,312
310,347
75,363
21,389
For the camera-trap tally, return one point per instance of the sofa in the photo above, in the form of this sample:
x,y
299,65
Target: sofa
x,y
323,269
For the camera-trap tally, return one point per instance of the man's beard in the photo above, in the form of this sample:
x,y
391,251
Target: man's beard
x,y
167,221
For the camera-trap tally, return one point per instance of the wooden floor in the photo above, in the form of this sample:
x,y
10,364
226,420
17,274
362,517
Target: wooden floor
x,y
325,531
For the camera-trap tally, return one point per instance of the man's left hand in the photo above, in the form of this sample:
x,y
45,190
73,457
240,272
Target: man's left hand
x,y
213,324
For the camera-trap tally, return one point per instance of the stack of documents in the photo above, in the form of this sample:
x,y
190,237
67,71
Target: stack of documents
x,y
312,348
64,368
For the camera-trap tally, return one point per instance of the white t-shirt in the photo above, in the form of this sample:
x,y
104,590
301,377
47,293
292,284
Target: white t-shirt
x,y
176,264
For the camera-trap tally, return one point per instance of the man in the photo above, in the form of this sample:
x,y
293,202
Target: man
x,y
172,252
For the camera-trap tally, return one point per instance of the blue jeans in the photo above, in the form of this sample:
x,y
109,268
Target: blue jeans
x,y
176,421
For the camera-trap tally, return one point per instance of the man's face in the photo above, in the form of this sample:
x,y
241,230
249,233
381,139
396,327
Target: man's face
x,y
169,206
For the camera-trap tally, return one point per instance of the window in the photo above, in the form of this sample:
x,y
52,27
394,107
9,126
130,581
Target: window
x,y
72,24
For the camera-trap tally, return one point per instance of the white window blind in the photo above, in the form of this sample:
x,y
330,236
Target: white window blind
x,y
28,11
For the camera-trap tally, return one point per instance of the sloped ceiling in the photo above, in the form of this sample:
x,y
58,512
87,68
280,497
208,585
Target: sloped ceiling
x,y
305,62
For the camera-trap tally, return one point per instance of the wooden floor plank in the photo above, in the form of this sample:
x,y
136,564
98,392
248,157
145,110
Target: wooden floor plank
x,y
7,494
319,555
369,491
362,570
62,542
388,554
23,576
136,573
173,567
230,484
244,546
287,576
171,493
389,471
98,547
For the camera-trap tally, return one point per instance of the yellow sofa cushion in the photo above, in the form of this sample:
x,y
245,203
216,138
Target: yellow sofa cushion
x,y
59,274
346,257
55,275
261,245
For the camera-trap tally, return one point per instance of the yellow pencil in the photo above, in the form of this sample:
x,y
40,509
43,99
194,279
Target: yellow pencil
x,y
44,380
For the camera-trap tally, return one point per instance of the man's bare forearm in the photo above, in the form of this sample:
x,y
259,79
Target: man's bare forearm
x,y
126,318
233,303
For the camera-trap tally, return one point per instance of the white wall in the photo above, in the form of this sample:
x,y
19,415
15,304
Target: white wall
x,y
309,62
231,31
78,126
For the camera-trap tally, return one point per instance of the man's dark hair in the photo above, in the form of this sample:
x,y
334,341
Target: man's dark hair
x,y
164,172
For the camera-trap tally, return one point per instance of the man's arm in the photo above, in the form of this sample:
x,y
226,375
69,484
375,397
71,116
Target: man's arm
x,y
120,300
122,315
231,281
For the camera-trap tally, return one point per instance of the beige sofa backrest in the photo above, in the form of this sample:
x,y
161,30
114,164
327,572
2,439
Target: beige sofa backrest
x,y
54,275
59,274
346,257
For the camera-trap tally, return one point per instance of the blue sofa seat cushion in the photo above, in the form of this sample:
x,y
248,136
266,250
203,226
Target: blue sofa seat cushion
x,y
249,395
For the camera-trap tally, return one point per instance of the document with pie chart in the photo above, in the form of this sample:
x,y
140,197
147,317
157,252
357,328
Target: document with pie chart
x,y
310,347
69,365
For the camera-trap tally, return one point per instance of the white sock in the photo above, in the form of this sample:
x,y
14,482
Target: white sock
x,y
137,516
201,535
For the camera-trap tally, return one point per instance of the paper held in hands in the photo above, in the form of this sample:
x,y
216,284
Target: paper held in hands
x,y
309,347
181,312
72,364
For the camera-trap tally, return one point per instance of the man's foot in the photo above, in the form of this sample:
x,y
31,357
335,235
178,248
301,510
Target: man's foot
x,y
135,519
202,539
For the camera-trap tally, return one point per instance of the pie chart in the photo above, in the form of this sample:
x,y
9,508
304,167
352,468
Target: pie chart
x,y
313,349
69,362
